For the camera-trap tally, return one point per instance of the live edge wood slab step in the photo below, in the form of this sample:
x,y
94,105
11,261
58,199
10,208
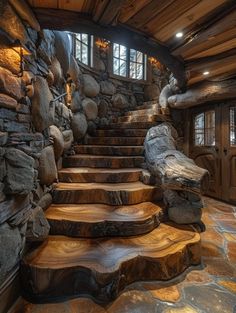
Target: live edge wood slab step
x,y
122,132
64,267
87,160
99,175
120,141
109,150
112,194
99,220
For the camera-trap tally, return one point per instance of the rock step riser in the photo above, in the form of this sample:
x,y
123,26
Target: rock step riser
x,y
121,132
110,150
121,141
105,162
110,197
98,177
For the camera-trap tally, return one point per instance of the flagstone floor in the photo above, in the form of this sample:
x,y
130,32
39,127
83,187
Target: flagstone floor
x,y
209,288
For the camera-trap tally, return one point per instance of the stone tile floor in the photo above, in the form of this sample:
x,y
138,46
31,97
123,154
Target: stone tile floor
x,y
209,288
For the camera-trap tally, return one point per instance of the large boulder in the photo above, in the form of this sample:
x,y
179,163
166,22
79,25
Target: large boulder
x,y
37,226
103,107
75,72
68,139
183,207
11,23
58,141
11,247
107,88
47,170
56,70
20,172
26,14
119,101
90,86
10,84
63,50
41,115
76,104
79,126
46,48
90,109
151,92
9,59
7,102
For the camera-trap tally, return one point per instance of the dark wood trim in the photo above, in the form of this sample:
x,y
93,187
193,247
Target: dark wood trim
x,y
10,291
77,22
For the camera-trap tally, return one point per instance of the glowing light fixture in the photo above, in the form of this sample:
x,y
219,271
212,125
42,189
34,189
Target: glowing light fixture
x,y
179,35
102,43
206,73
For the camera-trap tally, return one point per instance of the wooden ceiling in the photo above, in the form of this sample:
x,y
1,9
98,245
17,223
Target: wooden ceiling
x,y
208,27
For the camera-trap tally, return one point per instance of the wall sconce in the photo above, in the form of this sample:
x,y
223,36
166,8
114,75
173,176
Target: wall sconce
x,y
102,43
154,62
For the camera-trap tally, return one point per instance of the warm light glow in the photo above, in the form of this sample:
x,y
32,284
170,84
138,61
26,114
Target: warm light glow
x,y
179,35
206,73
102,43
155,62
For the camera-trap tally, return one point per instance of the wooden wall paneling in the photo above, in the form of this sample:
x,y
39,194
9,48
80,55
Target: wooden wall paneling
x,y
73,5
225,25
45,4
98,9
188,18
169,14
130,8
88,6
111,12
217,49
148,12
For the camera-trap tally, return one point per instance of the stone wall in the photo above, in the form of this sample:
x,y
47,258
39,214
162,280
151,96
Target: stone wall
x,y
37,128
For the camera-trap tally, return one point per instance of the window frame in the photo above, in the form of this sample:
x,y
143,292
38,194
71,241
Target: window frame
x,y
205,131
128,62
89,45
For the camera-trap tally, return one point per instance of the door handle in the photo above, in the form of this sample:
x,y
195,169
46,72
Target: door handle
x,y
225,151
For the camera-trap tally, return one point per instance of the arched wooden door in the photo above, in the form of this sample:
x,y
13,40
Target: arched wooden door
x,y
213,146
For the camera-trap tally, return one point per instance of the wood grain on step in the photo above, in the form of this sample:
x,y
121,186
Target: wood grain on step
x,y
86,160
101,268
99,220
142,125
120,141
152,110
110,150
122,132
99,175
112,194
140,118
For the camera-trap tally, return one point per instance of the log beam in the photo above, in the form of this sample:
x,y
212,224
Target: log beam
x,y
205,92
77,22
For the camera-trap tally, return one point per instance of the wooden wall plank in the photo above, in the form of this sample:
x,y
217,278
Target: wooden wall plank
x,y
72,5
211,34
148,12
111,11
98,9
45,4
169,14
131,8
188,18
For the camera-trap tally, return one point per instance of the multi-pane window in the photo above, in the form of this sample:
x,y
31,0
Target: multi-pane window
x,y
128,62
204,129
83,48
119,60
233,126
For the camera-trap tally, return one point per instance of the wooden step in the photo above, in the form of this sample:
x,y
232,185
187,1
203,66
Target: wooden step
x,y
143,112
139,118
87,160
109,150
142,125
105,193
99,220
99,175
147,105
117,141
65,267
121,132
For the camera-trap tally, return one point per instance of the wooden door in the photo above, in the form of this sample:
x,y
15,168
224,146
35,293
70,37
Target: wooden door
x,y
205,144
228,152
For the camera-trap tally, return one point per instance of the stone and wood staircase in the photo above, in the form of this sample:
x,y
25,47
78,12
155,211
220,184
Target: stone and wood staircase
x,y
105,223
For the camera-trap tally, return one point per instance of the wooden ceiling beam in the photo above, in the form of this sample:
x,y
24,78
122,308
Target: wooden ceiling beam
x,y
111,11
77,22
131,8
